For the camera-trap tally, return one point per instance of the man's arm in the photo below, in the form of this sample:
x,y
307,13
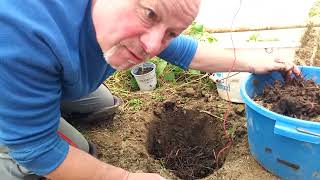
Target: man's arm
x,y
80,165
210,58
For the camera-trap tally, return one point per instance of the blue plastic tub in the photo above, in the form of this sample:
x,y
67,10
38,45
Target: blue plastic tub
x,y
287,147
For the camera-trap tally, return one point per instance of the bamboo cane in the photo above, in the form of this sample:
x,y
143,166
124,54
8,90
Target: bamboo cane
x,y
244,29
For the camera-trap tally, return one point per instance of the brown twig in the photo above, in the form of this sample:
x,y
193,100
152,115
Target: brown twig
x,y
209,113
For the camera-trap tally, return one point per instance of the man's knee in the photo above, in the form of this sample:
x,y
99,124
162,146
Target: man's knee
x,y
100,104
106,112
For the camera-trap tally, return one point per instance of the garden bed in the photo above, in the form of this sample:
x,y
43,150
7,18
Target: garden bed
x,y
190,119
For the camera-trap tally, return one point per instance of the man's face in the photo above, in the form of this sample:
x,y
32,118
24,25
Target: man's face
x,y
131,31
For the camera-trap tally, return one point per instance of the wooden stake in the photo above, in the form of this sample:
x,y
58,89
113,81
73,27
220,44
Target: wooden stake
x,y
244,29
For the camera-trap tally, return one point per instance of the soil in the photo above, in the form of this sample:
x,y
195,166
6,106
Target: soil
x,y
179,138
297,98
145,70
186,141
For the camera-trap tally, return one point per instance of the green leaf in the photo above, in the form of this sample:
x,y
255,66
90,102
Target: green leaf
x,y
135,102
169,76
212,39
128,73
194,72
198,27
134,84
177,69
160,67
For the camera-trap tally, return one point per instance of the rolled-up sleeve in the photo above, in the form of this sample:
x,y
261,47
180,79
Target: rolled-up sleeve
x,y
180,51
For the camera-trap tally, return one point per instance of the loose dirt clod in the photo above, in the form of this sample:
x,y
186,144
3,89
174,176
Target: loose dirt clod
x,y
297,98
186,141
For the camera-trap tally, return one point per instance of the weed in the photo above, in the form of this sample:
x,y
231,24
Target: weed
x,y
256,37
135,104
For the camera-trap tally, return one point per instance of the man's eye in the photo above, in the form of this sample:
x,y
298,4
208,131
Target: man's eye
x,y
172,34
151,14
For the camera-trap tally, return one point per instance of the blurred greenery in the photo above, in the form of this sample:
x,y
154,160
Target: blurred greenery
x,y
256,37
315,10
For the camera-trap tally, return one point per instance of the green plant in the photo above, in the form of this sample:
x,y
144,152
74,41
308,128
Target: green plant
x,y
315,10
231,132
197,31
158,97
256,37
134,84
135,104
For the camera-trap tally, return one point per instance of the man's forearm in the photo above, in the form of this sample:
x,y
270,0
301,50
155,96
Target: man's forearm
x,y
213,59
79,165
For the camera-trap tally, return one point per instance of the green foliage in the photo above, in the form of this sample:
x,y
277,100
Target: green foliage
x,y
170,77
194,72
197,31
231,132
134,84
256,37
209,83
197,27
135,104
161,65
157,97
315,10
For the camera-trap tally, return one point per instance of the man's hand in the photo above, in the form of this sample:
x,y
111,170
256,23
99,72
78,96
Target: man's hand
x,y
276,64
268,61
144,176
211,59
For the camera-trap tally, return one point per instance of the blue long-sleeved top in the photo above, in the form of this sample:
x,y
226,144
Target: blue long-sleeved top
x,y
48,53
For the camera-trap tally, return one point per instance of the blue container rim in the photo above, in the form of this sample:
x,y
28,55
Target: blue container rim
x,y
270,114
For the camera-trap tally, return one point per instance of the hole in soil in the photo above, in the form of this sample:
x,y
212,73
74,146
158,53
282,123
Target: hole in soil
x,y
186,141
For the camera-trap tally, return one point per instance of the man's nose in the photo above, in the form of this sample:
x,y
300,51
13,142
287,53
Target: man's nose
x,y
153,40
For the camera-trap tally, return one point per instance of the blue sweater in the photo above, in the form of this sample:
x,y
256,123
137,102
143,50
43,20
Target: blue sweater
x,y
48,53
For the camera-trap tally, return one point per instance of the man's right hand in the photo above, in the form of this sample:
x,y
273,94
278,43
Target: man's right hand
x,y
144,176
80,165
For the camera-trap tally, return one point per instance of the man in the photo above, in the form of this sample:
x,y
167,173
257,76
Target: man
x,y
54,56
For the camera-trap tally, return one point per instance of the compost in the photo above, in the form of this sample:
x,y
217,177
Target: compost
x,y
297,98
145,70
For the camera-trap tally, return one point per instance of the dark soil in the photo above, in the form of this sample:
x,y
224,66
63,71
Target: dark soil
x,y
144,70
297,98
186,141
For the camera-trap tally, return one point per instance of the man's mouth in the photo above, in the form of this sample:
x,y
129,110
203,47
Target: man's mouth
x,y
135,58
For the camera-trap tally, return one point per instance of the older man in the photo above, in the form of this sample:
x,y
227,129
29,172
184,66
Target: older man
x,y
54,56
